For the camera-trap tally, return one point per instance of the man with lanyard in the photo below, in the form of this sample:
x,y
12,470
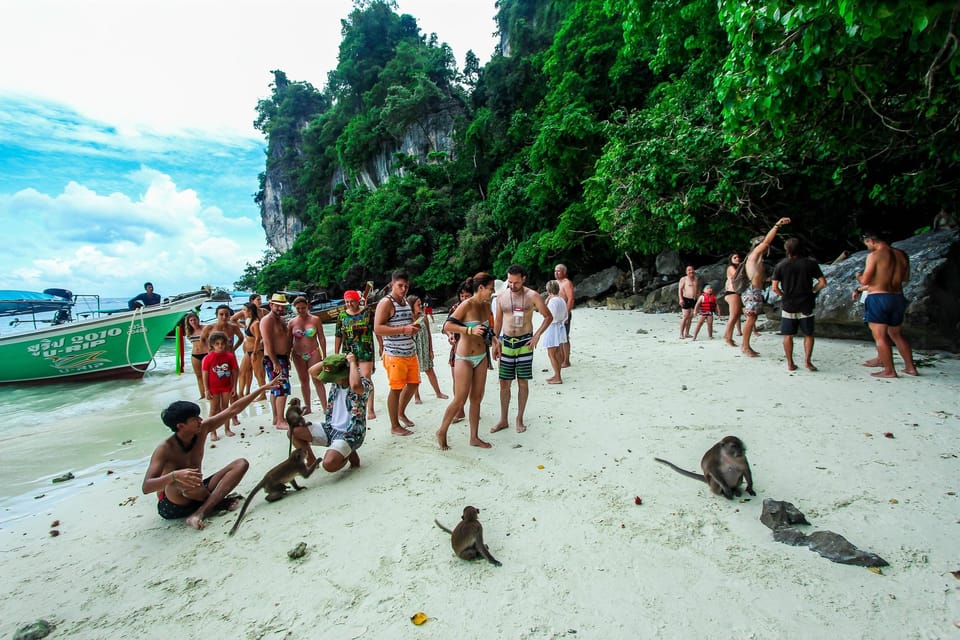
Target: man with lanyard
x,y
513,322
394,323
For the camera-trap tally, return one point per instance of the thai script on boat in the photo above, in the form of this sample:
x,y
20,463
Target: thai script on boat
x,y
51,348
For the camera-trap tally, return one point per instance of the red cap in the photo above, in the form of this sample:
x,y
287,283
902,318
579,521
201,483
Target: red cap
x,y
352,295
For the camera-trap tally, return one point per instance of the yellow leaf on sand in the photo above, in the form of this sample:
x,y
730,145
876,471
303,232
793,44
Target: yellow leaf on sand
x,y
419,618
539,466
894,501
875,570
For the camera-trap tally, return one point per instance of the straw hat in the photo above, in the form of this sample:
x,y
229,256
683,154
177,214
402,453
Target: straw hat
x,y
278,298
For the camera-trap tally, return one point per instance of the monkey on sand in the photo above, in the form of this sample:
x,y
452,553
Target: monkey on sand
x,y
467,537
724,467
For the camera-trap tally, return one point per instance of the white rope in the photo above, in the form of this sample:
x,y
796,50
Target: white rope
x,y
138,313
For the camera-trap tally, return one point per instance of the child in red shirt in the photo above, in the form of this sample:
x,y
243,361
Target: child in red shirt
x,y
220,371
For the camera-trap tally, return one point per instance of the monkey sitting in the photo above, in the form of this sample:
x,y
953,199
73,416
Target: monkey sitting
x,y
274,483
467,537
724,468
294,418
294,415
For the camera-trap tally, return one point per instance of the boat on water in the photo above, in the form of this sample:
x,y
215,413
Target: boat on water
x,y
77,343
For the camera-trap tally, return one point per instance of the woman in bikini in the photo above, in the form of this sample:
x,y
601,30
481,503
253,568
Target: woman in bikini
x,y
192,330
247,323
252,343
309,348
471,320
463,294
354,334
733,301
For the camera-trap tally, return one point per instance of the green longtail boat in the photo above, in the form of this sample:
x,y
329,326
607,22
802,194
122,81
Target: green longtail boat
x,y
100,345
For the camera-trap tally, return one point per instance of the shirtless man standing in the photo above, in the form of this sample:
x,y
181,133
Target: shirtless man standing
x,y
687,291
276,359
753,297
517,341
175,472
886,270
309,348
566,292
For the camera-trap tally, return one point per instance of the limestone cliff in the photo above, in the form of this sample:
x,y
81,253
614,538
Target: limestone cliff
x,y
431,133
281,230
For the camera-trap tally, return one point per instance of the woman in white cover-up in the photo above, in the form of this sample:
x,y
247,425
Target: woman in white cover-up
x,y
556,334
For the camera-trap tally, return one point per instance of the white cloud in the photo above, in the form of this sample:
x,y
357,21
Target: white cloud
x,y
166,235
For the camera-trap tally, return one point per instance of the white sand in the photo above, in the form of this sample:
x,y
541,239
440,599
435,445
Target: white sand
x,y
580,559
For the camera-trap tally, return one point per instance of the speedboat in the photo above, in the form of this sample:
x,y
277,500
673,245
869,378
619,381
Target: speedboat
x,y
52,341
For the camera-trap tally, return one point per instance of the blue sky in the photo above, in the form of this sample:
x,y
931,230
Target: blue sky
x,y
127,151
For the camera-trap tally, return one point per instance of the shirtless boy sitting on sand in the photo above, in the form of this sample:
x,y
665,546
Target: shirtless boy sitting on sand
x,y
174,471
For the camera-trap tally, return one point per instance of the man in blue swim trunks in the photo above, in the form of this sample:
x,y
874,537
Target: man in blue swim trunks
x,y
277,342
174,473
513,322
883,277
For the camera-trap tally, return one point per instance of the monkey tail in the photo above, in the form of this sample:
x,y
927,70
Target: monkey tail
x,y
683,472
243,509
443,527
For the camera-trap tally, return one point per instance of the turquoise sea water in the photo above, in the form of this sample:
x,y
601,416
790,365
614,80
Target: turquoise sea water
x,y
89,428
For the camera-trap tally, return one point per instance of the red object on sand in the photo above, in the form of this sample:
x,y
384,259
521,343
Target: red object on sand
x,y
888,434
638,500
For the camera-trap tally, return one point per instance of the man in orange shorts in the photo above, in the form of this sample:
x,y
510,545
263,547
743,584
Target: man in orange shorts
x,y
394,323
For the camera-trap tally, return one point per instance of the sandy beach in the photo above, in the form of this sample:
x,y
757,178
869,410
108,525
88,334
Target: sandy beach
x,y
580,558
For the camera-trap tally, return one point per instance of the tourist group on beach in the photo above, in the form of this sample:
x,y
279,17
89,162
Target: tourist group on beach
x,y
483,326
797,279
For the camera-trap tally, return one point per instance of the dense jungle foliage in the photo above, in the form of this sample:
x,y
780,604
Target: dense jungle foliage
x,y
613,127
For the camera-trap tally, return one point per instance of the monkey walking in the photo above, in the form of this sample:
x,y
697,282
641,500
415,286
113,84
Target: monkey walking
x,y
467,537
724,468
274,483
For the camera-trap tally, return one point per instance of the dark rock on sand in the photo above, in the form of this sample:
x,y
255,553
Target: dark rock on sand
x,y
780,516
777,513
597,284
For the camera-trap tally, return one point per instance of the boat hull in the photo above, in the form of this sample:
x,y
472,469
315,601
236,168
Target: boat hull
x,y
118,346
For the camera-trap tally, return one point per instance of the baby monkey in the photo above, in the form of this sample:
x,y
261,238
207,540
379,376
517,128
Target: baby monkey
x,y
294,415
467,537
724,468
274,483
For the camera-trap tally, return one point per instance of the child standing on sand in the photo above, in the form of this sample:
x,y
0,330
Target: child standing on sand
x,y
705,307
220,372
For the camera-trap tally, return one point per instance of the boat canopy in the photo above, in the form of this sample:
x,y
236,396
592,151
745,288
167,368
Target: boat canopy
x,y
14,303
